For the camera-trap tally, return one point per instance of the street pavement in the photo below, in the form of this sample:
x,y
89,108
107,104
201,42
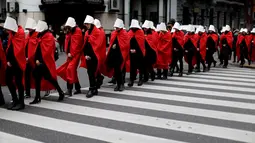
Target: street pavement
x,y
212,107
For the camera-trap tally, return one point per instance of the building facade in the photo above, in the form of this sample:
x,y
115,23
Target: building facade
x,y
197,12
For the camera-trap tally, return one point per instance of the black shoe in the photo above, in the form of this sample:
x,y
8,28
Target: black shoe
x,y
204,69
19,107
35,102
225,67
171,74
77,92
249,62
91,93
140,83
197,70
146,79
153,76
180,74
12,105
121,88
189,73
234,61
131,83
61,96
164,78
116,88
113,81
47,94
214,64
68,93
27,96
220,64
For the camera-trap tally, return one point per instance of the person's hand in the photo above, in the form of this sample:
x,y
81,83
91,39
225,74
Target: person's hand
x,y
38,63
186,51
69,55
133,51
197,49
114,46
207,48
9,64
27,59
224,45
175,49
87,57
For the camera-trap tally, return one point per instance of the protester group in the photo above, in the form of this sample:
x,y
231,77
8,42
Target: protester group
x,y
28,61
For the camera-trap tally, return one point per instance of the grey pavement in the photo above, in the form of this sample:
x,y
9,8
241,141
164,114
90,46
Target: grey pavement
x,y
211,107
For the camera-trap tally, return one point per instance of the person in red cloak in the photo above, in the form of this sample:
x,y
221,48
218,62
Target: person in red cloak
x,y
30,47
92,54
16,63
73,46
164,48
226,43
252,47
212,43
151,41
178,43
190,47
45,61
201,48
117,54
137,52
242,47
100,78
2,72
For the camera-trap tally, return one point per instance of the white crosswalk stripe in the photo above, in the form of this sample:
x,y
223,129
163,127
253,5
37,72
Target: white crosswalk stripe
x,y
216,106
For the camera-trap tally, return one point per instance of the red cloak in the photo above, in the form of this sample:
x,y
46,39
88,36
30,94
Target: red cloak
x,y
96,40
229,37
31,42
18,43
152,40
68,71
3,64
179,35
102,68
202,48
215,39
139,36
252,48
47,45
123,41
193,39
164,50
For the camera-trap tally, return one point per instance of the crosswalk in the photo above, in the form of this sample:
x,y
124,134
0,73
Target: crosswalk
x,y
212,107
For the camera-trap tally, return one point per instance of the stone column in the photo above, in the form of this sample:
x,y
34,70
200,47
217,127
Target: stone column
x,y
161,11
127,13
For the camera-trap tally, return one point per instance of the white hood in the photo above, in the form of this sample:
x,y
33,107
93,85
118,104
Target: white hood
x,y
135,24
227,28
253,30
190,28
70,22
201,29
89,20
30,24
158,27
97,23
11,24
118,23
223,29
177,26
41,26
146,24
162,27
212,28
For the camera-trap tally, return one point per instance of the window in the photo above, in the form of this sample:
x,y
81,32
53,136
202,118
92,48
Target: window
x,y
211,16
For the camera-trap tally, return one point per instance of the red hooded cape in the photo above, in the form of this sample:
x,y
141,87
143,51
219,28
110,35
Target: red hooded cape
x,y
152,40
164,50
215,39
179,35
96,40
202,48
240,39
3,64
68,71
123,41
31,42
139,36
252,49
18,42
47,45
229,38
193,39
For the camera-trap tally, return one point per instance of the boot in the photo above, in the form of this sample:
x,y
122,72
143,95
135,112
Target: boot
x,y
214,64
12,105
158,74
77,92
121,88
19,107
117,88
140,82
61,96
131,83
165,74
180,74
36,101
153,76
146,77
69,92
204,69
92,92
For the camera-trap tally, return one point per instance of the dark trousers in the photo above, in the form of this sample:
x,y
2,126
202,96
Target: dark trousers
x,y
190,55
91,70
200,60
76,85
17,73
40,72
234,53
1,96
209,58
118,75
177,56
136,63
28,73
225,55
149,71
